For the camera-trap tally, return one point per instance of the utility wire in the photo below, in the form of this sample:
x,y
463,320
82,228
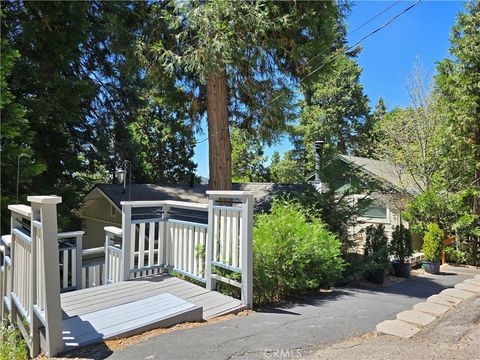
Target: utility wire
x,y
352,32
334,57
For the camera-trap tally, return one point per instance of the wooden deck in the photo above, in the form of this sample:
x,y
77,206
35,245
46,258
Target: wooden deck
x,y
131,307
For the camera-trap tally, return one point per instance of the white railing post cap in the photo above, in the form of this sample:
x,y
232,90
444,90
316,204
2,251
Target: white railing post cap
x,y
50,199
231,193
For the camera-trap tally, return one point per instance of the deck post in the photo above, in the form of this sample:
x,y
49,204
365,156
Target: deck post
x,y
78,260
165,237
211,284
44,209
126,241
247,251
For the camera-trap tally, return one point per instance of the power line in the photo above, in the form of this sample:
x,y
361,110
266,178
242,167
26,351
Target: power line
x,y
335,56
352,32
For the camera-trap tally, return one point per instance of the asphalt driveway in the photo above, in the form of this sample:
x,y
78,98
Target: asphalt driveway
x,y
299,328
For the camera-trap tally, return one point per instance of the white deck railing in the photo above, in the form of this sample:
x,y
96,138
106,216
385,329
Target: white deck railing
x,y
30,284
157,236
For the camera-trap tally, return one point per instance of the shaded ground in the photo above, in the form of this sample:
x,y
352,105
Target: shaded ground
x,y
291,331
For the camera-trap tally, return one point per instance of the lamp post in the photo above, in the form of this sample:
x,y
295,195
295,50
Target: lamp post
x,y
18,170
122,178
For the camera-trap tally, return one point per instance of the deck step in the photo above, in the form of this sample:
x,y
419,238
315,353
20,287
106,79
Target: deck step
x,y
397,328
431,308
128,319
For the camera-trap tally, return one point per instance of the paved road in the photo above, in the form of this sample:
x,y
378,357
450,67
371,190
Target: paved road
x,y
315,322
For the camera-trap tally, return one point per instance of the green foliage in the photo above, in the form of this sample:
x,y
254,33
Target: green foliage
x,y
12,345
455,256
458,79
285,170
16,139
401,244
368,137
434,205
376,248
335,110
293,253
433,243
247,158
413,138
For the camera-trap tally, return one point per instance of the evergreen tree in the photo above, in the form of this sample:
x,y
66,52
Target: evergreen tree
x,y
458,81
335,111
236,57
247,158
285,170
368,136
47,83
16,140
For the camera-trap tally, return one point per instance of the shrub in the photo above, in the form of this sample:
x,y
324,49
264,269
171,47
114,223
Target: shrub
x,y
455,256
12,345
433,243
401,244
376,248
293,253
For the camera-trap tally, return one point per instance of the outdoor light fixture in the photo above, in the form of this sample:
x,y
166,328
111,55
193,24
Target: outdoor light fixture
x,y
121,175
18,170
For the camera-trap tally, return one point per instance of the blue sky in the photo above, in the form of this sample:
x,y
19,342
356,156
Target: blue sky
x,y
387,56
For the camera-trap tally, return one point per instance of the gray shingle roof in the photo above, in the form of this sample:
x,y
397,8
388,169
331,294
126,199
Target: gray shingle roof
x,y
384,171
263,192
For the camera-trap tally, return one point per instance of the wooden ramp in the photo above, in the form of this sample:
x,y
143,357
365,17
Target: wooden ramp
x,y
131,307
128,319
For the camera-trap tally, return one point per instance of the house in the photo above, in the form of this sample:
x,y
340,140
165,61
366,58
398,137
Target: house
x,y
384,195
101,206
380,186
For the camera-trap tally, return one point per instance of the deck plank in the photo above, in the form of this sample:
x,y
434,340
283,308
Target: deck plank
x,y
82,302
128,319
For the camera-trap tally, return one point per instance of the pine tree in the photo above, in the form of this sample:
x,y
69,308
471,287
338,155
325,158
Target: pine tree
x,y
239,60
458,81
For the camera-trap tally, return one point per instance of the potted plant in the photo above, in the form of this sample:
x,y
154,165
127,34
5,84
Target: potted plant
x,y
432,248
376,253
401,249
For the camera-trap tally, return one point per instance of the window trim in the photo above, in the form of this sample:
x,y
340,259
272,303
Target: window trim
x,y
375,220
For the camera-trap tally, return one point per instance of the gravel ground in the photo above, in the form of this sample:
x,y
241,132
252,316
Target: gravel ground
x,y
455,335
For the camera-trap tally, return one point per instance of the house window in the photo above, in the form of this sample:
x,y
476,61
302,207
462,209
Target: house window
x,y
373,211
113,211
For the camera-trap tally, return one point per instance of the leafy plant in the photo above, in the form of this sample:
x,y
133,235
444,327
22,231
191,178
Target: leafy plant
x,y
433,243
455,256
293,253
401,244
376,248
12,345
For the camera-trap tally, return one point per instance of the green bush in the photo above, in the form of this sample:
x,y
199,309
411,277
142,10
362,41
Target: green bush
x,y
433,243
293,253
376,248
455,256
401,244
12,345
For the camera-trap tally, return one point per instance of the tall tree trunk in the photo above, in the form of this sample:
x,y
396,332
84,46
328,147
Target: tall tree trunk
x,y
219,146
475,241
